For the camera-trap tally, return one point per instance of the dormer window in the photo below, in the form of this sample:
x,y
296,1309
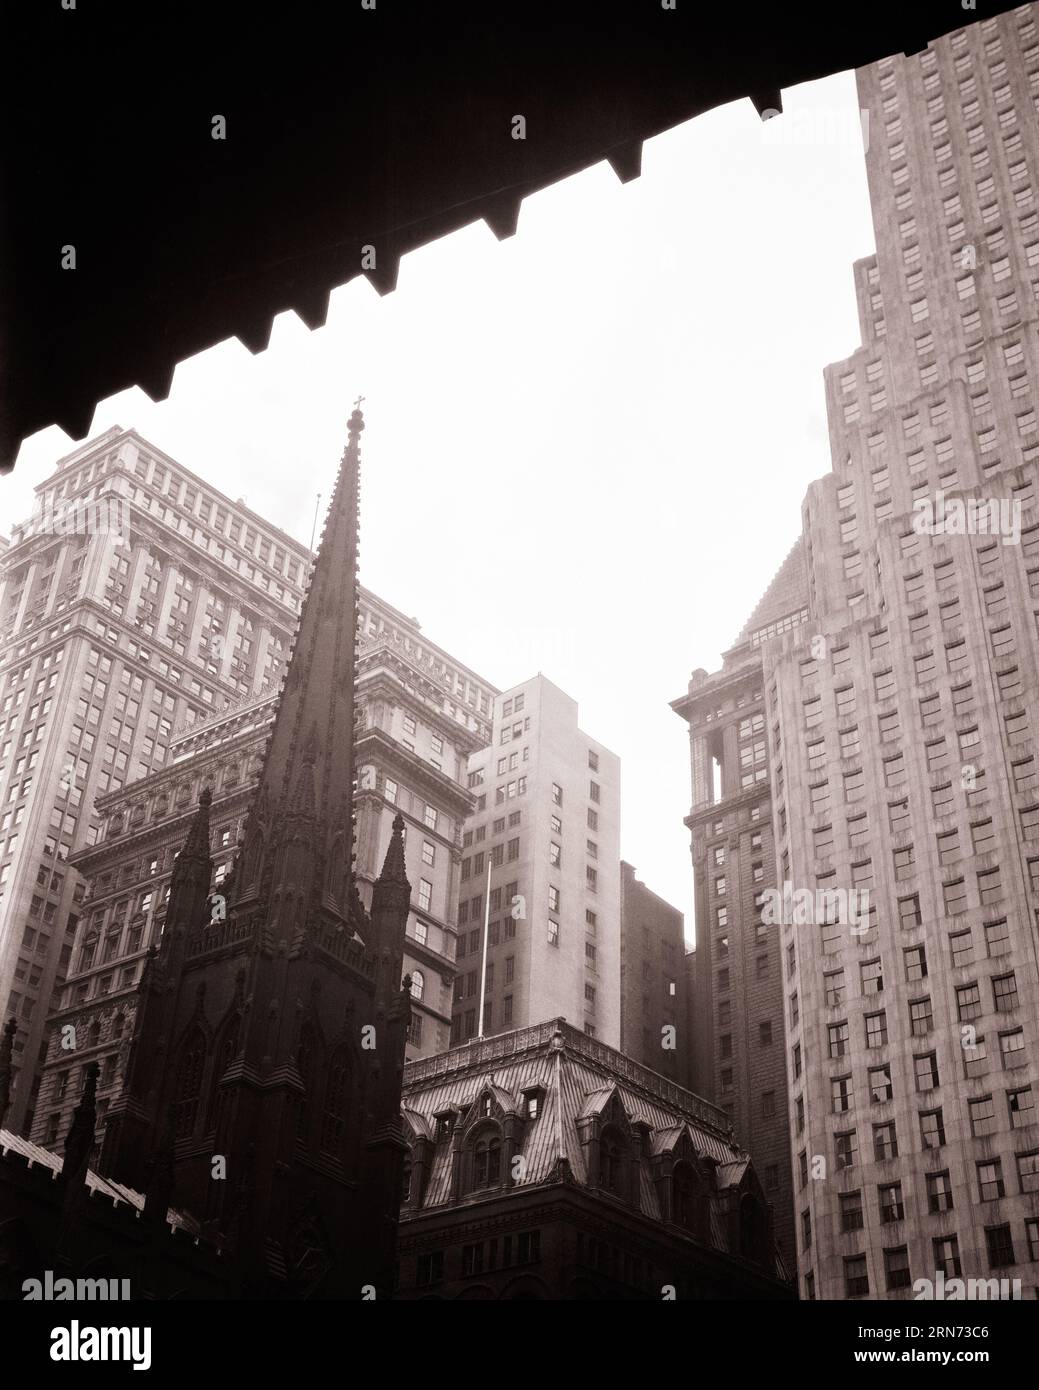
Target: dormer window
x,y
611,1163
445,1123
533,1101
486,1107
487,1160
683,1196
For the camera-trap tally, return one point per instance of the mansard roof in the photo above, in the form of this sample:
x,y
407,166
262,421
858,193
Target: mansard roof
x,y
582,1081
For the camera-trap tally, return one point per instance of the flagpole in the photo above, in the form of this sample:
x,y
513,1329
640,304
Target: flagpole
x,y
486,933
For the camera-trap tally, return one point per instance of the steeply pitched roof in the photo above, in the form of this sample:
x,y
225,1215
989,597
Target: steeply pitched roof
x,y
578,1078
787,593
38,1157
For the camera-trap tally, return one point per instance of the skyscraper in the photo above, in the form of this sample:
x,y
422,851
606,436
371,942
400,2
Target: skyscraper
x,y
264,1077
544,842
900,678
734,1038
653,1007
273,1033
134,602
420,713
421,716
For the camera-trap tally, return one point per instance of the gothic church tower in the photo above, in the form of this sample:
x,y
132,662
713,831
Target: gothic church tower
x,y
263,1088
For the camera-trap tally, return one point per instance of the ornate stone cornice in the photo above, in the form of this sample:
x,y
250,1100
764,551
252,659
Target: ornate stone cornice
x,y
380,747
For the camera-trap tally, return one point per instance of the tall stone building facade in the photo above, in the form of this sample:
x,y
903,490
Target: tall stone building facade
x,y
128,874
653,987
263,1081
136,600
735,1038
901,706
113,731
544,844
422,715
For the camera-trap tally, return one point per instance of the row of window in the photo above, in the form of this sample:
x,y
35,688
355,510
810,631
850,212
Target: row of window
x,y
999,1244
505,1252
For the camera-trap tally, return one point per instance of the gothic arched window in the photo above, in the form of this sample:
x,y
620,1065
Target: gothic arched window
x,y
418,984
333,1119
188,1083
487,1159
683,1196
611,1162
226,1052
305,1059
405,1185
753,1228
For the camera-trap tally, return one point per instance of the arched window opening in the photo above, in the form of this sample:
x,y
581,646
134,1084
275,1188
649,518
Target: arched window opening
x,y
683,1196
418,984
487,1159
226,1052
333,1120
752,1228
611,1162
188,1084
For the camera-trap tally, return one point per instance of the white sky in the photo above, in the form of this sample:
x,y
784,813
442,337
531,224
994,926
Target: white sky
x,y
587,445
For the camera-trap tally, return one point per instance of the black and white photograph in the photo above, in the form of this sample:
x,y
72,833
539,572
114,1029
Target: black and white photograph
x,y
519,679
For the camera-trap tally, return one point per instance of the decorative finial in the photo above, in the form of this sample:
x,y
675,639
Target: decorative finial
x,y
355,424
398,823
206,797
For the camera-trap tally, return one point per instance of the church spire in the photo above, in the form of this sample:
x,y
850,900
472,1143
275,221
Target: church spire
x,y
393,868
189,885
297,850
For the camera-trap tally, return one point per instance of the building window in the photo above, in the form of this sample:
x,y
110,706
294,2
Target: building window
x,y
845,1148
990,1179
487,1160
885,1141
892,1207
856,1279
939,1192
1000,1246
896,1268
932,1129
430,1268
611,1162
